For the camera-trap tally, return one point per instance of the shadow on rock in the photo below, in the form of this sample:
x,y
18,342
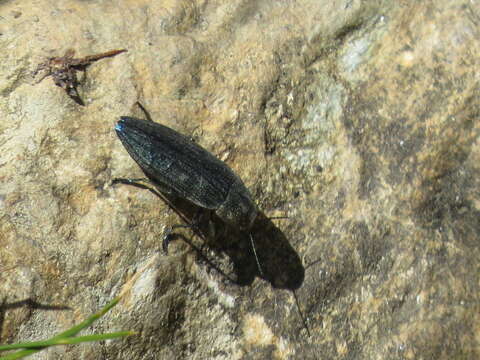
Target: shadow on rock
x,y
29,304
279,262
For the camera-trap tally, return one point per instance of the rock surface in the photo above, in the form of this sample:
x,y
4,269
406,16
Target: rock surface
x,y
359,120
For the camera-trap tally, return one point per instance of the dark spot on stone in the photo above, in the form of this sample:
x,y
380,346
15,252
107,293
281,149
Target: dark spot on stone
x,y
447,208
400,144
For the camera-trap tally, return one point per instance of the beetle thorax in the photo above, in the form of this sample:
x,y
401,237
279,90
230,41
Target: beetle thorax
x,y
238,209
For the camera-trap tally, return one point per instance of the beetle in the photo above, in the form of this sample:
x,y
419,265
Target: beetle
x,y
179,167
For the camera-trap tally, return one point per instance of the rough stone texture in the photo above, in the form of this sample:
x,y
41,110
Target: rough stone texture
x,y
356,119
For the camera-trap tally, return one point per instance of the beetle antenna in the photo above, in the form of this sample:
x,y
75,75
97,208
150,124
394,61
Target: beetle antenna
x,y
277,217
255,254
301,314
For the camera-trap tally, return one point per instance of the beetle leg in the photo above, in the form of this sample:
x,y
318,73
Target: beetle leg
x,y
143,183
145,112
138,182
194,225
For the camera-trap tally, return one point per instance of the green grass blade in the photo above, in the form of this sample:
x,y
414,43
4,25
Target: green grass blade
x,y
40,345
67,337
19,354
89,321
66,341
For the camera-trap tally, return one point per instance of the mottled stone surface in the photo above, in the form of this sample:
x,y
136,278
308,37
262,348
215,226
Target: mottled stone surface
x,y
359,120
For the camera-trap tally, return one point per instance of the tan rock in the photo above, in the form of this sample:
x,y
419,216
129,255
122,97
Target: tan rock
x,y
358,120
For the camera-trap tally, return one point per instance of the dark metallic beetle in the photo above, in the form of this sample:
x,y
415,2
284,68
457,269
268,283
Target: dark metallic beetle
x,y
182,168
179,167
